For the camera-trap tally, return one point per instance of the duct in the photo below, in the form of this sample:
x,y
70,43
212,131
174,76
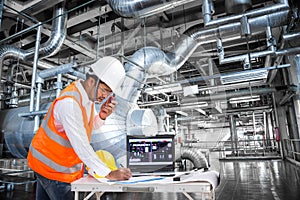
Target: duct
x,y
195,156
52,46
153,60
209,35
282,5
157,62
143,8
141,122
47,49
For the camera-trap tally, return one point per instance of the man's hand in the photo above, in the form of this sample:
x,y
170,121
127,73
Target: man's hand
x,y
107,108
119,174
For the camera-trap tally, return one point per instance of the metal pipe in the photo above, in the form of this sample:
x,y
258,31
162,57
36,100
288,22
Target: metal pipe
x,y
58,85
291,36
275,110
271,41
1,11
78,74
143,8
46,96
271,44
228,95
282,6
288,51
62,69
41,112
36,55
233,134
206,11
37,107
220,49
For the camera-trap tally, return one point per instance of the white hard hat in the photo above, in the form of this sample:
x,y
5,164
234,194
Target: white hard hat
x,y
109,70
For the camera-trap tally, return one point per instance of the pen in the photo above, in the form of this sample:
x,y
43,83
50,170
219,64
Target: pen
x,y
121,165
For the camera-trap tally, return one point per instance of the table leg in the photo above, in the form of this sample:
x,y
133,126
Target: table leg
x,y
187,195
99,194
76,195
89,196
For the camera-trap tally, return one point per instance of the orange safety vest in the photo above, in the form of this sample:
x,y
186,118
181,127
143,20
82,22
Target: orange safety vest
x,y
51,153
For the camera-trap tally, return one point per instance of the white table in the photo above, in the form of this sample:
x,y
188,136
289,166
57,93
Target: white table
x,y
90,184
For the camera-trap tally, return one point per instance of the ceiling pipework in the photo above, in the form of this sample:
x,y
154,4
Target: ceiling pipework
x,y
49,48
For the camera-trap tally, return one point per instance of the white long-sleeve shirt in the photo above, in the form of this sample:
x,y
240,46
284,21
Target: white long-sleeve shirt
x,y
68,117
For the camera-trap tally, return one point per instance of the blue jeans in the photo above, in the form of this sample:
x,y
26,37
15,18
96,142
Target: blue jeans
x,y
52,190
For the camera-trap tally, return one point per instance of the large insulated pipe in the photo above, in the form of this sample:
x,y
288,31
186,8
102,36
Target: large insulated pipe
x,y
47,49
195,156
143,8
18,131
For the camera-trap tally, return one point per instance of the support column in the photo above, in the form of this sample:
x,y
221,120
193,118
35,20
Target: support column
x,y
293,133
233,133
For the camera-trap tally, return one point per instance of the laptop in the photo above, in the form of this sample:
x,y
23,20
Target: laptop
x,y
153,155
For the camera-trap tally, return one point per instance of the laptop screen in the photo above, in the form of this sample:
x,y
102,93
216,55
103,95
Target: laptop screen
x,y
150,154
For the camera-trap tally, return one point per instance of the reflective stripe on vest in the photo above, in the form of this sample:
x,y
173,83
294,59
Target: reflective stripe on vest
x,y
55,137
53,165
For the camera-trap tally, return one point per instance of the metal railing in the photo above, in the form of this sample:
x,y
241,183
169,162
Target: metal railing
x,y
249,147
289,147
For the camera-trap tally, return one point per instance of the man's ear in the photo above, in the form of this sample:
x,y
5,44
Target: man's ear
x,y
91,82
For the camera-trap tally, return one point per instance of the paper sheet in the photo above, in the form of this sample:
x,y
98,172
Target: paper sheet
x,y
210,176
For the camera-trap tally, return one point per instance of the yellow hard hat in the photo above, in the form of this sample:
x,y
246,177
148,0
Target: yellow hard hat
x,y
108,159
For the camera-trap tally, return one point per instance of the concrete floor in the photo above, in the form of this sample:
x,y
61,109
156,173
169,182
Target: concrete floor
x,y
240,179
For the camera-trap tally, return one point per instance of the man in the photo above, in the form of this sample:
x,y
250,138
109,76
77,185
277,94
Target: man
x,y
62,143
